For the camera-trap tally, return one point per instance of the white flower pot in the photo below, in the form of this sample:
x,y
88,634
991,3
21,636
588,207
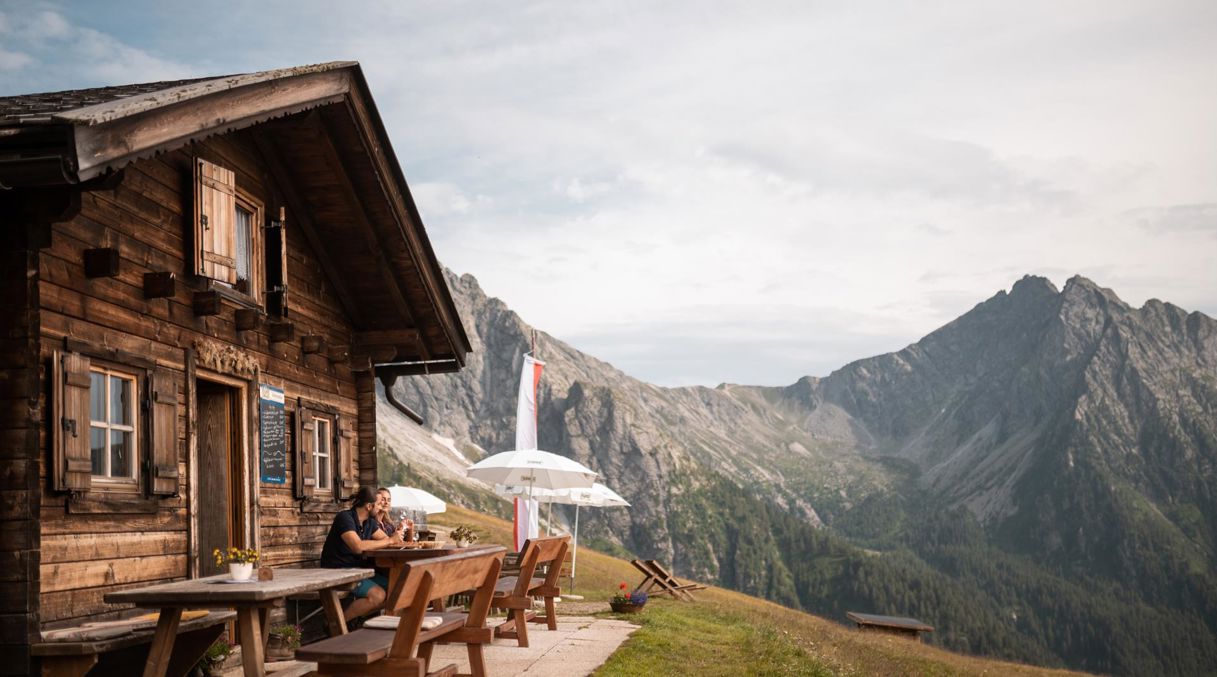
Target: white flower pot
x,y
241,572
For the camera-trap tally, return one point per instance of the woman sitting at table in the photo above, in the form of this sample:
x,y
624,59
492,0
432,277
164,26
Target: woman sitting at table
x,y
354,533
384,517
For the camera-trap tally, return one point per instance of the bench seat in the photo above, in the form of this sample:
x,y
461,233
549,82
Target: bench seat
x,y
507,584
368,645
127,653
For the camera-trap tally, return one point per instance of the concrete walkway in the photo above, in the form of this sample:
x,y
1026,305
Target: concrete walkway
x,y
579,646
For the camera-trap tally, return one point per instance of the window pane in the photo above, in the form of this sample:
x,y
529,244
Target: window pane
x,y
244,225
323,437
323,472
97,396
120,453
120,400
97,450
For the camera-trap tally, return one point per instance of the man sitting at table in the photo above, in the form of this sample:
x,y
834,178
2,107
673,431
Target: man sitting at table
x,y
354,533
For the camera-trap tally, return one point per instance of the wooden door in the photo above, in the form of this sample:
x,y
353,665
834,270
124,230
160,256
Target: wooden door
x,y
220,519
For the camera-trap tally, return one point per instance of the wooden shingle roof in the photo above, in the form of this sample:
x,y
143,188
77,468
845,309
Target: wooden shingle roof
x,y
43,107
898,622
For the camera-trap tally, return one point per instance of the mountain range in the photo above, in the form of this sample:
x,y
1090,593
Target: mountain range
x,y
1035,479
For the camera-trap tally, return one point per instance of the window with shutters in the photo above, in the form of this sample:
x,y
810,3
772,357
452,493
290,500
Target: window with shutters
x,y
113,422
322,456
228,231
325,467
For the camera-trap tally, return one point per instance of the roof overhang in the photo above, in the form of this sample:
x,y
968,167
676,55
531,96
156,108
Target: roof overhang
x,y
391,283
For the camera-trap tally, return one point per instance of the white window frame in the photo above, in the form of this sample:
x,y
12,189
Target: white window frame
x,y
132,428
323,437
254,247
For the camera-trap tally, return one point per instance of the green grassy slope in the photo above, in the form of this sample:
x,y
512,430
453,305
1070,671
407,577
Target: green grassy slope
x,y
728,633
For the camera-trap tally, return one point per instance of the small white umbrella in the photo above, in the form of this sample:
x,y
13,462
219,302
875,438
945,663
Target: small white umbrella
x,y
595,496
410,498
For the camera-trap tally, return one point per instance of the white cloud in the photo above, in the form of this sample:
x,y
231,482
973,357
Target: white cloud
x,y
14,60
439,199
51,53
754,172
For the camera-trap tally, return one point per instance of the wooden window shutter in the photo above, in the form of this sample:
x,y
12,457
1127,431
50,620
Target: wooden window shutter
x,y
162,438
70,401
276,266
306,473
346,480
215,221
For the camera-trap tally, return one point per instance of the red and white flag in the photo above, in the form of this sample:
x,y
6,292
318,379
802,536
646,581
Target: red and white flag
x,y
525,522
526,409
527,511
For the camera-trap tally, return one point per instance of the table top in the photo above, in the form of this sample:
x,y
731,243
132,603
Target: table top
x,y
214,590
391,556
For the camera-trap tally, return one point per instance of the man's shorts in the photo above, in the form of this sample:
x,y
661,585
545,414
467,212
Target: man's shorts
x,y
365,586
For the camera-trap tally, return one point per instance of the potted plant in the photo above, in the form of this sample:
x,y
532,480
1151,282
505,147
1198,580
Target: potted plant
x,y
627,601
240,562
220,658
283,641
463,535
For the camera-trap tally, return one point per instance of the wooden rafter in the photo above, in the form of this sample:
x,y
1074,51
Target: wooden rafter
x,y
301,216
376,244
401,205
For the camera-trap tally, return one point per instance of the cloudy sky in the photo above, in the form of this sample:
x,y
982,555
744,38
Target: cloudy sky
x,y
749,192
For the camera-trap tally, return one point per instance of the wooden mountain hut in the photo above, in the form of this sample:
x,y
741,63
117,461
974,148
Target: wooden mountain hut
x,y
910,628
200,282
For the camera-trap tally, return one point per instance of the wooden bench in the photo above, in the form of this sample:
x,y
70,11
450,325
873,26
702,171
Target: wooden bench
x,y
126,653
655,575
370,651
515,593
333,618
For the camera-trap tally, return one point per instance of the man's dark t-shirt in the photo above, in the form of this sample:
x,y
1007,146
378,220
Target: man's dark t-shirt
x,y
335,554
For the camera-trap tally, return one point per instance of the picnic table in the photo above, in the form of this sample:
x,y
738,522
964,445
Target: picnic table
x,y
251,600
401,642
395,560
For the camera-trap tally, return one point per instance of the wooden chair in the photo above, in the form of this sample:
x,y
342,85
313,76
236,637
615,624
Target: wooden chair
x,y
515,593
655,575
370,651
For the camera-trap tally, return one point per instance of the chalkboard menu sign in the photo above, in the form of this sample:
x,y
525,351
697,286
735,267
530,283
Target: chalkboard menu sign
x,y
272,424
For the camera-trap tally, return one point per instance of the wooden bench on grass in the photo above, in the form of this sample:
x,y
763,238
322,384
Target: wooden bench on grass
x,y
515,593
372,651
121,647
655,575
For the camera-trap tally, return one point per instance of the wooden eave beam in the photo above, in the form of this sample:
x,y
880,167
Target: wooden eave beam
x,y
387,337
300,214
375,242
408,220
115,142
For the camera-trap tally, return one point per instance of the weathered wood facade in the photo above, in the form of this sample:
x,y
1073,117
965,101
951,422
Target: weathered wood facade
x,y
140,321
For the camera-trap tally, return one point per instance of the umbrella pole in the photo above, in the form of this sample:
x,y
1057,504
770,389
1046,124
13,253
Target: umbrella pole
x,y
574,559
549,521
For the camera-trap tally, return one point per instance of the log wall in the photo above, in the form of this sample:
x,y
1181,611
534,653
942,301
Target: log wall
x,y
19,425
96,543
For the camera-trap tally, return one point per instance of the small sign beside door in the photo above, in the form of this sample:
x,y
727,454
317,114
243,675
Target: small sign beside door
x,y
272,425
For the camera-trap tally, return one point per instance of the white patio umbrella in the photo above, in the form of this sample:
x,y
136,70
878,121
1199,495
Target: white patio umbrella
x,y
410,498
532,468
595,496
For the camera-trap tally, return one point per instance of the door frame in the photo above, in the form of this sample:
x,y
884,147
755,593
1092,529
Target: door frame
x,y
244,435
